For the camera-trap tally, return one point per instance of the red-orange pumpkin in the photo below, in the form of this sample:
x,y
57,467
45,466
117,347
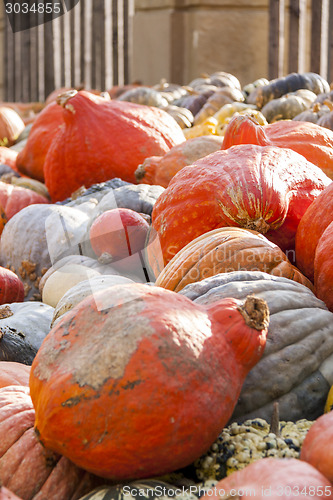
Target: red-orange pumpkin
x,y
11,287
30,161
263,188
312,141
26,467
104,139
317,447
313,223
128,377
12,373
323,267
275,478
14,198
8,157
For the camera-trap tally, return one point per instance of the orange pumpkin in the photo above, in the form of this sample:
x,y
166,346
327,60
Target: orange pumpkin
x,y
317,447
12,373
323,267
30,161
149,381
312,141
313,223
103,139
225,250
263,188
11,125
275,478
160,169
11,287
14,198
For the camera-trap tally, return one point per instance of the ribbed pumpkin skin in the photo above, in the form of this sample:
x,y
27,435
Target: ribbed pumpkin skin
x,y
14,198
104,139
11,125
30,161
323,267
313,223
148,383
274,478
310,140
26,467
317,446
224,250
160,169
5,494
11,287
266,189
299,324
12,373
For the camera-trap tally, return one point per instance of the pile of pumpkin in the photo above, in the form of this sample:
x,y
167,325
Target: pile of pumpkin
x,y
166,292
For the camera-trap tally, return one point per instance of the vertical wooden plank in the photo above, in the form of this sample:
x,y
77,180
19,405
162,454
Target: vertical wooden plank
x,y
41,59
120,42
56,50
108,46
26,65
295,48
98,45
316,33
128,38
17,59
115,70
72,45
9,61
276,38
48,58
330,44
82,42
34,69
88,44
62,49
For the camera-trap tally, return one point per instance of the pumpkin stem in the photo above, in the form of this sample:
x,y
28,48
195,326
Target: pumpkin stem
x,y
140,173
259,225
63,98
255,312
275,423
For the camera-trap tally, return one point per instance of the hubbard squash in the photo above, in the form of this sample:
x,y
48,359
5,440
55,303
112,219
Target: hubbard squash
x,y
313,142
317,217
274,478
26,467
317,449
296,369
148,382
30,161
263,188
224,250
103,139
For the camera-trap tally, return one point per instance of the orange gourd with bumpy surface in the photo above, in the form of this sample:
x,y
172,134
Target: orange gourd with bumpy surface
x,y
317,445
140,381
103,139
30,161
263,188
310,140
313,223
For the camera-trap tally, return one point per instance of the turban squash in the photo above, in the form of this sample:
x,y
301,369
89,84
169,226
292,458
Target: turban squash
x,y
263,188
312,141
148,373
296,369
102,139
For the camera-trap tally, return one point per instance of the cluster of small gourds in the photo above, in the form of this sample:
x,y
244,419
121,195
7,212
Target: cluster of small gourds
x,y
166,290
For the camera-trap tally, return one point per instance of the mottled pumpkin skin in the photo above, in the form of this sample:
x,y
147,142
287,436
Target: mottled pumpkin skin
x,y
140,382
30,161
12,373
317,446
323,267
104,139
274,478
26,467
313,223
310,140
263,188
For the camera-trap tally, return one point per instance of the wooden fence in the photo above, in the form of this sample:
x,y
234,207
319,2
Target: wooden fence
x,y
88,45
314,53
